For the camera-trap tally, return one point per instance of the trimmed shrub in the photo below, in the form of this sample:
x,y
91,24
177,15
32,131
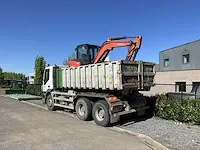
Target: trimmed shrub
x,y
33,89
187,111
15,91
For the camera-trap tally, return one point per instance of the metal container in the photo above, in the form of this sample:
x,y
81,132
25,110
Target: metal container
x,y
114,75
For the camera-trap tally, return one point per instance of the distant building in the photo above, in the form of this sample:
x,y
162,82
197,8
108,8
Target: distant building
x,y
178,69
31,78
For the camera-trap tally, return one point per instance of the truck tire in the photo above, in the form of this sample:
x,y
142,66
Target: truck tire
x,y
50,103
100,113
84,109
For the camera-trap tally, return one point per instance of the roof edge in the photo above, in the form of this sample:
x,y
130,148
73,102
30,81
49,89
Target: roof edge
x,y
180,45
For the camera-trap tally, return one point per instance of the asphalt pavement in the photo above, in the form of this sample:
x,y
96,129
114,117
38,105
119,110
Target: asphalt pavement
x,y
23,126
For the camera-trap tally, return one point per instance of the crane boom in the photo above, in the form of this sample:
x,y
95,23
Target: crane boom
x,y
134,46
92,54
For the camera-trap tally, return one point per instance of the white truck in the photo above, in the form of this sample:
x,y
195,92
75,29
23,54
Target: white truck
x,y
96,89
103,91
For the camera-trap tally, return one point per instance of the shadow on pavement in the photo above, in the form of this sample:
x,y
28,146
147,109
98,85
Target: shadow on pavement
x,y
131,119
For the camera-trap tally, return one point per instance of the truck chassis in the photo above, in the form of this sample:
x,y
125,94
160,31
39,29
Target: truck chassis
x,y
103,108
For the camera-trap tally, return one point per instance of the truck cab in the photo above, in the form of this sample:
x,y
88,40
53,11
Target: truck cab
x,y
48,78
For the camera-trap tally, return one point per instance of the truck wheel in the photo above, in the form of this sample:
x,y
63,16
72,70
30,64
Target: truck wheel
x,y
84,109
100,113
50,103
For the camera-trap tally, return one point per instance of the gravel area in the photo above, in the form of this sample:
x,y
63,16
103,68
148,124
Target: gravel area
x,y
173,135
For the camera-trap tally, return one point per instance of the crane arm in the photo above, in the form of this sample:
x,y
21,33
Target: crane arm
x,y
111,43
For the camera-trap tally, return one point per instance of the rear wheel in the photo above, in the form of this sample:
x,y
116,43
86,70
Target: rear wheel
x,y
84,109
50,103
100,113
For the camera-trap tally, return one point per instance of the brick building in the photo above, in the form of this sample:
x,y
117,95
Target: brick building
x,y
178,69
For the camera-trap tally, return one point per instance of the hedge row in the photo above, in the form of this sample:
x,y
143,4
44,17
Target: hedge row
x,y
187,111
33,89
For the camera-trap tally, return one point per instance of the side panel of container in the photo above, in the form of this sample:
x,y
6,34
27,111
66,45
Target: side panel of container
x,y
110,75
94,76
138,75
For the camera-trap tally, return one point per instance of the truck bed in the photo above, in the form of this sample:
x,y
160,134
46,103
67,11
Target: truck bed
x,y
113,75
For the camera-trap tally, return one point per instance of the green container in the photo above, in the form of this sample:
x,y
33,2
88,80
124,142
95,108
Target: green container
x,y
58,78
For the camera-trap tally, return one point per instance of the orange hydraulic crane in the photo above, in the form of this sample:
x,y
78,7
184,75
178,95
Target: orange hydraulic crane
x,y
92,54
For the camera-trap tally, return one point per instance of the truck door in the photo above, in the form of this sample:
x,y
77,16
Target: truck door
x,y
47,79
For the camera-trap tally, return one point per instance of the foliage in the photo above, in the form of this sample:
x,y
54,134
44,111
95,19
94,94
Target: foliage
x,y
11,91
187,111
39,69
70,57
33,89
10,76
1,77
14,76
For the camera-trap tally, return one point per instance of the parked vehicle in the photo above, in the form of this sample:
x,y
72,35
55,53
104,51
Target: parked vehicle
x,y
96,89
193,94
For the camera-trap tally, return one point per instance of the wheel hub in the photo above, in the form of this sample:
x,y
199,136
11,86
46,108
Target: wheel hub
x,y
81,110
50,102
100,113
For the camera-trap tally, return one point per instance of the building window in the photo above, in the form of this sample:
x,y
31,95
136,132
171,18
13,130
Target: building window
x,y
166,62
195,85
180,86
186,58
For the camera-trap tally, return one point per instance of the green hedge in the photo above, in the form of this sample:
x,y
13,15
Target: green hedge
x,y
33,89
11,91
187,111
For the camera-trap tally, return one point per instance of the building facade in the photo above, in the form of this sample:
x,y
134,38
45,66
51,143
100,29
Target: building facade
x,y
178,69
31,78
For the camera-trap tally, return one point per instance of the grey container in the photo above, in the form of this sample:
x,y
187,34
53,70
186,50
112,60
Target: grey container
x,y
114,75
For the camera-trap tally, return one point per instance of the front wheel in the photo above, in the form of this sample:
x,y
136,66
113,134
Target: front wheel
x,y
100,113
50,103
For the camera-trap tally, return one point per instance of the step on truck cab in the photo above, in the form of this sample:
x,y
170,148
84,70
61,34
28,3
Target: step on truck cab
x,y
102,92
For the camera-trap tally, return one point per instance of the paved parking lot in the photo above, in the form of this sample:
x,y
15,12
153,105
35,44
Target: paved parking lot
x,y
26,127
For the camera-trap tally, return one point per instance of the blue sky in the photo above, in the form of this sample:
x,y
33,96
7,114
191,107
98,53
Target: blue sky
x,y
53,28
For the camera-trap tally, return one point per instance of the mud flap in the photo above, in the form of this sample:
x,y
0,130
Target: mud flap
x,y
114,118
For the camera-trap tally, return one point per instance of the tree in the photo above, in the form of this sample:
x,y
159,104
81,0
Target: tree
x,y
13,76
1,77
39,69
70,57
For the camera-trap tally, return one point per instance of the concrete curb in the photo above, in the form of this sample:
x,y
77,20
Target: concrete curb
x,y
21,99
9,97
150,142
